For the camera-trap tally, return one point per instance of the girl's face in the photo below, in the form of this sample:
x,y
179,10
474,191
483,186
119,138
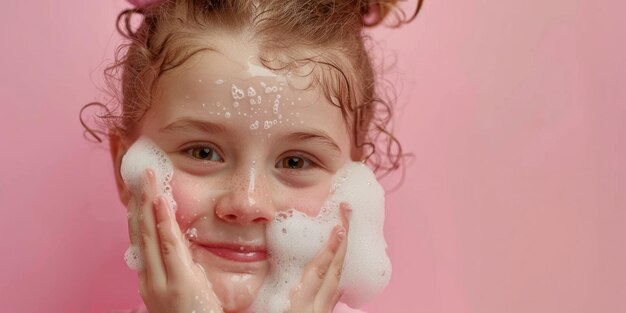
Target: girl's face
x,y
245,144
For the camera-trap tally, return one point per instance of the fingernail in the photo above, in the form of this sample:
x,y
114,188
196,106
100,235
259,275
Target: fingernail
x,y
148,175
341,234
348,213
166,206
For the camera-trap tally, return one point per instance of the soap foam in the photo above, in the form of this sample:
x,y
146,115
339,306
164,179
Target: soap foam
x,y
258,70
133,258
293,240
143,155
368,268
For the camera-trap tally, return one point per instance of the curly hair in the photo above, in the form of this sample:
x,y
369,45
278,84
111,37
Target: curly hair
x,y
168,36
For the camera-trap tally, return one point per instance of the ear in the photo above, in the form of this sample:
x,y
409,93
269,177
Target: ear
x,y
119,146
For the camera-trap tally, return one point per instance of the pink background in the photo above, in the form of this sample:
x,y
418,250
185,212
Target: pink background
x,y
514,201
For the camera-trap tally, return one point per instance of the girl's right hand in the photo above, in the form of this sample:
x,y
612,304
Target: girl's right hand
x,y
318,291
170,281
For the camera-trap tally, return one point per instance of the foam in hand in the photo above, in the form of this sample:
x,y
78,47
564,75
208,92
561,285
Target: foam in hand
x,y
143,155
293,240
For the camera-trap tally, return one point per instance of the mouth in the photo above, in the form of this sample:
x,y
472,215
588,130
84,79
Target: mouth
x,y
236,252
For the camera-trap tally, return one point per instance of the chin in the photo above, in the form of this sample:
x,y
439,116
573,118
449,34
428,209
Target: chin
x,y
237,308
236,291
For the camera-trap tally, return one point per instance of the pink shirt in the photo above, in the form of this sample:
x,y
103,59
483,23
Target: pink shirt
x,y
339,308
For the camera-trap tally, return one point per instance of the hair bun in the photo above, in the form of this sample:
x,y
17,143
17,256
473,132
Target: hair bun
x,y
374,12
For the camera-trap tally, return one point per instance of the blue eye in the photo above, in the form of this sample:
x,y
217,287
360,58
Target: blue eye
x,y
204,153
293,162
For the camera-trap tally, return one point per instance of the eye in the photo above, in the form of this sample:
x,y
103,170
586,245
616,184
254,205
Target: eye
x,y
294,162
204,153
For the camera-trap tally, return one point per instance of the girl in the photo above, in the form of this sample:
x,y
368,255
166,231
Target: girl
x,y
257,104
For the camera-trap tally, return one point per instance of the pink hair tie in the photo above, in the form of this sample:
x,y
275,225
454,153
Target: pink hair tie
x,y
143,3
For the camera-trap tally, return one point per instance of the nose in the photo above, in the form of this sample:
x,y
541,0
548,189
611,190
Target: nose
x,y
247,201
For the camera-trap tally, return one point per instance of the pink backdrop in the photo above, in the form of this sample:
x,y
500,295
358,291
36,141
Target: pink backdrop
x,y
514,201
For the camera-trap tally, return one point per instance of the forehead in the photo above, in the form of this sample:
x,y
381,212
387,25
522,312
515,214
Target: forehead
x,y
229,85
244,83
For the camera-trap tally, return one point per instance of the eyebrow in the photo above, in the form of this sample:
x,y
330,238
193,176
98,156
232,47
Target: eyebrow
x,y
193,125
314,135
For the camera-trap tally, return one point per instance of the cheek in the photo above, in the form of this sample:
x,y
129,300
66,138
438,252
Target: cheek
x,y
308,200
196,196
193,195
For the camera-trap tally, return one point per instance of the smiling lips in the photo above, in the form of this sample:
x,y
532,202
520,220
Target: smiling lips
x,y
237,253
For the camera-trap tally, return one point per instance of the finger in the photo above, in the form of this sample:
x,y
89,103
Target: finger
x,y
133,222
134,233
346,212
316,270
174,252
329,293
153,265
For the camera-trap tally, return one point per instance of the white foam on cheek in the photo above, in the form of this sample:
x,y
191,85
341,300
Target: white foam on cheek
x,y
293,240
143,155
367,268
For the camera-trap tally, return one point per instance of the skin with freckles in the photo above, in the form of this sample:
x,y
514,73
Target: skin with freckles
x,y
245,144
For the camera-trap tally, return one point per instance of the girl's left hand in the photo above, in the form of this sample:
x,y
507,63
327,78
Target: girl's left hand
x,y
319,291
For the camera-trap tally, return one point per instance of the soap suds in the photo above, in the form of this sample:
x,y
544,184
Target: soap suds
x,y
237,93
143,155
191,233
251,92
247,101
133,258
294,238
258,70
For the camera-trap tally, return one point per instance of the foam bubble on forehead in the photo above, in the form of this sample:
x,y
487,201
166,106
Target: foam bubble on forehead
x,y
259,70
293,240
